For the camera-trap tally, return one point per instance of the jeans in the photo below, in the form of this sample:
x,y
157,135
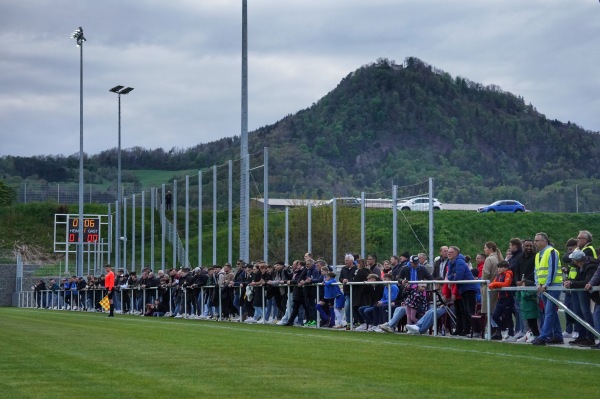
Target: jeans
x,y
399,313
581,306
551,325
367,313
347,308
426,322
596,317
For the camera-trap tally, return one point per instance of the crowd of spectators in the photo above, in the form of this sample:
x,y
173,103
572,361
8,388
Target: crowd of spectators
x,y
404,294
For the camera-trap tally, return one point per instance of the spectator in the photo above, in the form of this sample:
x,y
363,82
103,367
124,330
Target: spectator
x,y
225,281
403,261
361,294
55,294
504,307
548,274
376,312
298,292
424,262
465,307
414,271
347,276
387,268
489,272
515,250
367,311
445,307
39,289
569,271
440,264
528,301
595,296
586,268
374,267
281,274
331,305
480,260
156,309
313,277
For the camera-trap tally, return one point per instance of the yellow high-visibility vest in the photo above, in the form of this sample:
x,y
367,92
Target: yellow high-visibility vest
x,y
541,267
574,270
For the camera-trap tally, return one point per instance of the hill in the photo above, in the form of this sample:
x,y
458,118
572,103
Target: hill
x,y
388,123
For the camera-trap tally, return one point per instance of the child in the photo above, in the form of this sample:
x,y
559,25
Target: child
x,y
330,307
416,302
506,302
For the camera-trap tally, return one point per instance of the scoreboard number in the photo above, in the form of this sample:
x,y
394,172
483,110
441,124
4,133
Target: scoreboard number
x,y
91,230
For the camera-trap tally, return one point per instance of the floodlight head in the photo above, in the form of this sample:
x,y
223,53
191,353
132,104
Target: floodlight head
x,y
116,89
126,90
78,35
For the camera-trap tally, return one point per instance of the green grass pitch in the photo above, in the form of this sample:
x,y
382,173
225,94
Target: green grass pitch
x,y
59,354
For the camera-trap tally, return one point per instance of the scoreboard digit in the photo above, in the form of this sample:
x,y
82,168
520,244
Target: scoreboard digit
x,y
91,230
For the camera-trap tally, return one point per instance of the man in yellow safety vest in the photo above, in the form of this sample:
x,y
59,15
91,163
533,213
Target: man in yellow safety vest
x,y
548,275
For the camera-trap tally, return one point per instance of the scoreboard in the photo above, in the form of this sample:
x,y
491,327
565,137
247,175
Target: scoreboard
x,y
91,229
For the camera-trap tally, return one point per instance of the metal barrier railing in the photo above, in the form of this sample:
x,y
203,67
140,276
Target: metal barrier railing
x,y
179,300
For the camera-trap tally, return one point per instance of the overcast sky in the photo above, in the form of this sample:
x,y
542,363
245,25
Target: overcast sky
x,y
183,57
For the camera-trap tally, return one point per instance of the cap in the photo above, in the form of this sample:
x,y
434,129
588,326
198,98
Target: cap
x,y
577,255
414,258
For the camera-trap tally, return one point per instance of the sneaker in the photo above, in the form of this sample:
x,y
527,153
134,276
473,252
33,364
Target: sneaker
x,y
519,334
527,336
250,320
555,341
178,316
587,342
539,342
281,323
311,323
377,329
575,334
510,338
168,314
567,335
531,338
362,327
576,341
597,346
412,329
386,327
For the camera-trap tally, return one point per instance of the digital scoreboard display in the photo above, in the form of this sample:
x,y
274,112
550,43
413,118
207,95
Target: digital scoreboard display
x,y
91,230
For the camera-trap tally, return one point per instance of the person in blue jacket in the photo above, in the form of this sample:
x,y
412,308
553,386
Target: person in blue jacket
x,y
332,303
458,270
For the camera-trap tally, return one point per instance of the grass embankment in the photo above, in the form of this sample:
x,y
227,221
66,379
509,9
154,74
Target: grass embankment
x,y
71,354
32,224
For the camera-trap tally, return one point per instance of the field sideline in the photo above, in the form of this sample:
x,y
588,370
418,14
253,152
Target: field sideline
x,y
51,354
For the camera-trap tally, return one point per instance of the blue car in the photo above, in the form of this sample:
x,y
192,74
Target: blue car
x,y
503,206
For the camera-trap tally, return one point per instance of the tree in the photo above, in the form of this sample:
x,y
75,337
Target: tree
x,y
7,194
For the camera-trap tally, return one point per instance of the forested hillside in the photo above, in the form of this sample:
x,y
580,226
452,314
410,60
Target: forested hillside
x,y
386,122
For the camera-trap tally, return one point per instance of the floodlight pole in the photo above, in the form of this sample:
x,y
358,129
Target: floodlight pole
x,y
244,164
119,90
78,36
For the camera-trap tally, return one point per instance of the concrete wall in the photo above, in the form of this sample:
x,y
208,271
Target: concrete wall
x,y
8,277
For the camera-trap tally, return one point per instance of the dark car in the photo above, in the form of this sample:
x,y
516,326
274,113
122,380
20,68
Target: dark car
x,y
503,206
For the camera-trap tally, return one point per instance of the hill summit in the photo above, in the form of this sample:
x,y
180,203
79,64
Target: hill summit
x,y
387,123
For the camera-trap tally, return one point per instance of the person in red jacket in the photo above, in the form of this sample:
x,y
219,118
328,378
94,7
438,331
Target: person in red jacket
x,y
109,284
506,302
